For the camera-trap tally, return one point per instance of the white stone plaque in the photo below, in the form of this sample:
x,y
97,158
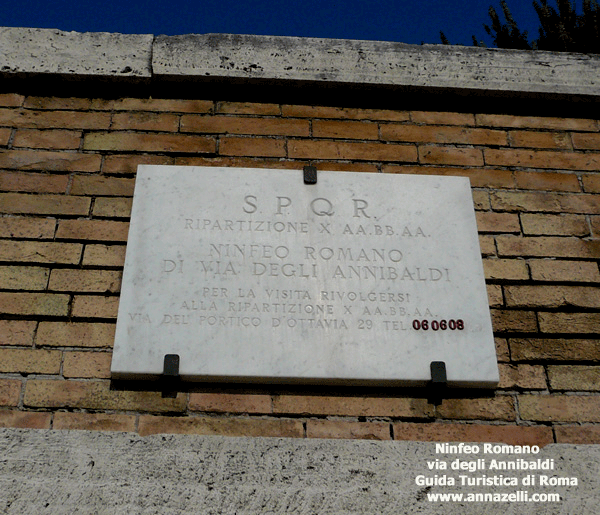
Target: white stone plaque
x,y
251,275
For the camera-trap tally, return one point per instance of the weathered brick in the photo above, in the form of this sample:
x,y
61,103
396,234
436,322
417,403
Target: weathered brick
x,y
57,103
93,421
511,269
143,142
559,408
127,164
22,203
479,177
148,121
52,139
23,277
30,119
570,323
262,147
548,181
502,350
17,332
552,296
583,141
485,408
30,361
488,221
538,349
595,224
574,377
81,280
21,227
95,365
248,108
591,183
352,406
49,161
34,304
577,434
250,427
116,207
448,432
494,293
536,122
69,334
530,377
33,182
5,137
441,134
102,185
240,162
542,159
487,245
338,167
230,403
235,125
104,255
572,271
443,118
547,246
10,391
450,156
167,105
11,100
92,230
95,306
343,113
351,150
25,419
96,395
350,430
481,200
514,321
554,225
544,202
345,129
40,252
534,139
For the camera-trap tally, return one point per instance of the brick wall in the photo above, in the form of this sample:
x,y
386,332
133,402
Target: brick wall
x,y
67,173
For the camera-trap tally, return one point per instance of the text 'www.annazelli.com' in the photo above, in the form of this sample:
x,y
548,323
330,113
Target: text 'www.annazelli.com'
x,y
519,496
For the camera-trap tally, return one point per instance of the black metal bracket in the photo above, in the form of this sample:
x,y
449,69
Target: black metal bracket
x,y
170,376
438,383
310,175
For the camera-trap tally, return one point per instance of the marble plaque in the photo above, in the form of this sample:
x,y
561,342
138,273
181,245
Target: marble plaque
x,y
250,275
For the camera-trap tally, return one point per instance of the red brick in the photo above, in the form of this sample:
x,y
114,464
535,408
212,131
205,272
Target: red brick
x,y
514,321
95,306
43,204
92,230
17,332
143,142
574,377
34,304
54,119
551,296
348,430
591,183
568,271
93,421
548,349
68,334
102,185
442,135
23,277
559,408
25,419
318,149
49,161
33,182
52,139
235,125
167,105
248,108
511,269
479,177
30,361
145,122
343,113
536,122
11,100
352,406
10,391
250,427
435,118
544,202
81,280
345,129
104,255
94,365
126,164
449,432
533,139
542,159
450,156
485,408
116,207
40,252
230,403
570,323
96,395
554,225
548,181
497,222
263,147
529,377
547,246
577,434
21,227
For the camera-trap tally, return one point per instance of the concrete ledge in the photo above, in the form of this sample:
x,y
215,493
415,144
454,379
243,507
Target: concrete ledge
x,y
285,60
64,472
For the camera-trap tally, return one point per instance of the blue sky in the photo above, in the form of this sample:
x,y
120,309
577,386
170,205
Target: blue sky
x,y
407,21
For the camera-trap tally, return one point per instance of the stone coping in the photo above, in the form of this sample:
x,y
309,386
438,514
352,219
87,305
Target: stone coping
x,y
31,51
